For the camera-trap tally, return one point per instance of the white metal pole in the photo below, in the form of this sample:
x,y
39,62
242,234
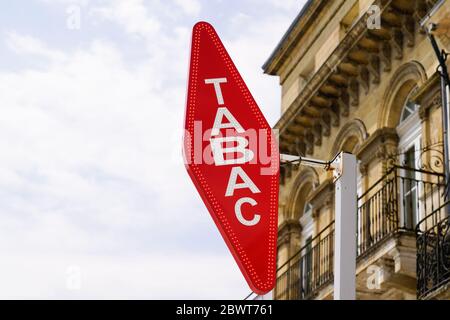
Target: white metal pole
x,y
345,227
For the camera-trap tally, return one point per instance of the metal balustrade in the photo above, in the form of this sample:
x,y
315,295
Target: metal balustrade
x,y
309,269
395,203
433,251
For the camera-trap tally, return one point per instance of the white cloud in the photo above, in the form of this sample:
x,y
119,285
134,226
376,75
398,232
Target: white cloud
x,y
288,4
190,7
89,114
25,44
135,277
133,15
67,2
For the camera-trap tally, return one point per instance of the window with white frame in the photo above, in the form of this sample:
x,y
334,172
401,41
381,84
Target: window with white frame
x,y
307,221
409,132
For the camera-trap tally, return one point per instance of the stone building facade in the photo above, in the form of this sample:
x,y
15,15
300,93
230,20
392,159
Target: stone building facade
x,y
361,76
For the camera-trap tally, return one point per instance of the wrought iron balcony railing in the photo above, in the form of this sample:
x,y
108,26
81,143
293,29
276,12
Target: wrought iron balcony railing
x,y
396,202
393,204
309,269
433,251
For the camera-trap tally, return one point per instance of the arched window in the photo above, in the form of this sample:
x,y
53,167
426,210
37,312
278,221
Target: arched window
x,y
409,108
405,79
305,182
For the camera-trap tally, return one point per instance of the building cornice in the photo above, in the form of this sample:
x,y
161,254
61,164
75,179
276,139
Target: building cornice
x,y
328,67
293,35
356,64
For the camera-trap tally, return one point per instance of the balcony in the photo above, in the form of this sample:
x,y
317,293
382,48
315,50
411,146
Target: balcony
x,y
433,255
388,211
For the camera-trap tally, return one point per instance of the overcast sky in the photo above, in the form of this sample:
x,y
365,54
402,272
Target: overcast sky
x,y
94,199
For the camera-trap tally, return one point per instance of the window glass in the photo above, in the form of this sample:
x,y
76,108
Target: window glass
x,y
409,108
308,209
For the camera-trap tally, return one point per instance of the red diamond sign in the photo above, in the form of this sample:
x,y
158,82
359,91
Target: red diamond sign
x,y
232,157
